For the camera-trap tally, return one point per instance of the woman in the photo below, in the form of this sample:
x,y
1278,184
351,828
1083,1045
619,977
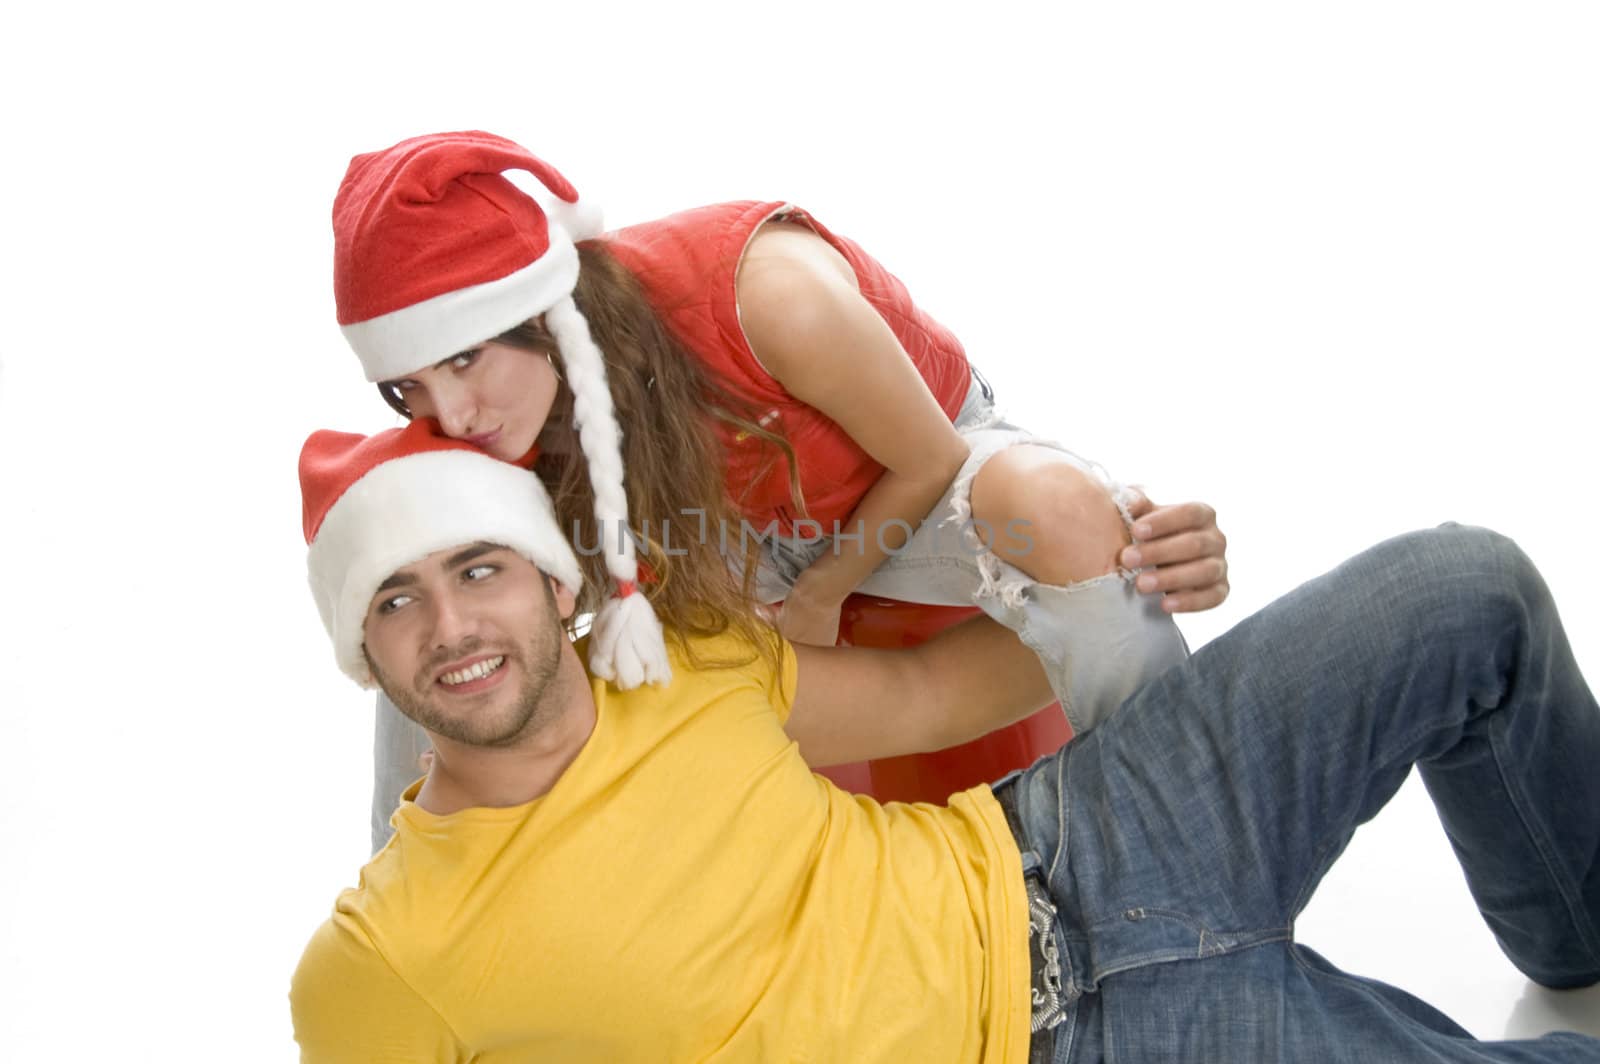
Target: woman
x,y
840,415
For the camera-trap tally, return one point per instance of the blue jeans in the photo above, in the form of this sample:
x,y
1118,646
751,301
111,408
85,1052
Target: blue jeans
x,y
1181,838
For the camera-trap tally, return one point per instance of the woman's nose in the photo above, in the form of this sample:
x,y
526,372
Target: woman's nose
x,y
456,411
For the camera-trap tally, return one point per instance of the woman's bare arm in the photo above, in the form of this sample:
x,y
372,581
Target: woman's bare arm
x,y
814,332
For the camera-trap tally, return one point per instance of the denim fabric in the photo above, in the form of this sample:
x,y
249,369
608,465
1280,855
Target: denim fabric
x,y
1182,837
1098,640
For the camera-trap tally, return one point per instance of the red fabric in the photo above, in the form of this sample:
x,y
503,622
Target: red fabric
x,y
433,215
331,462
687,263
527,460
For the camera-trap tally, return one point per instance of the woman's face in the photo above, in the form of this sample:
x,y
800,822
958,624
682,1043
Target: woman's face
x,y
494,395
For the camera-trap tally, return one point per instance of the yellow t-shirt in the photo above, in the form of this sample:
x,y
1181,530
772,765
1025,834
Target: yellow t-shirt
x,y
687,891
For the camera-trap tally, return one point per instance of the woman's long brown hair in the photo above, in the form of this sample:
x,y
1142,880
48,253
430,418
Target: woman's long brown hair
x,y
675,481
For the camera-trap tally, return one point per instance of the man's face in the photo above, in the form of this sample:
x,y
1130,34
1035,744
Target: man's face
x,y
467,642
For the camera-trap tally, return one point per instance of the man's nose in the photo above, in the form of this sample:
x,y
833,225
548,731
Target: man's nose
x,y
453,624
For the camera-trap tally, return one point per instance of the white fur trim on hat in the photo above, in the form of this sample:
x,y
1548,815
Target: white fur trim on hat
x,y
415,337
407,508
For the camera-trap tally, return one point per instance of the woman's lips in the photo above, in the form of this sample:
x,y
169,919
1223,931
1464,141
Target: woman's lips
x,y
484,439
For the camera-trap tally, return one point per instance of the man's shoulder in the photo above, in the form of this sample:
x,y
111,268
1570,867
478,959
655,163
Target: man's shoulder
x,y
341,959
355,928
347,998
370,923
342,941
727,657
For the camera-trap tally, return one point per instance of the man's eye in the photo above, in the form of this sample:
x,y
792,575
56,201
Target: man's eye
x,y
389,605
480,572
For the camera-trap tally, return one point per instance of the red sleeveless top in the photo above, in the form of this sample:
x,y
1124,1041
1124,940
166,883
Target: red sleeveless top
x,y
687,263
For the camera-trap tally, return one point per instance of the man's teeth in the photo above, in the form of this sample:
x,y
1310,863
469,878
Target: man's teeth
x,y
473,672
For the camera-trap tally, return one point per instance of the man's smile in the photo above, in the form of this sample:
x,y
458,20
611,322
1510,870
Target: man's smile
x,y
473,676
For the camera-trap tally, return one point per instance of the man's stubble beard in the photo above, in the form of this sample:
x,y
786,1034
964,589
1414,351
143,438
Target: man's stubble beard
x,y
528,714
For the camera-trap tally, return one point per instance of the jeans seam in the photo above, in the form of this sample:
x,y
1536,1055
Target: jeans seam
x,y
1168,956
1519,803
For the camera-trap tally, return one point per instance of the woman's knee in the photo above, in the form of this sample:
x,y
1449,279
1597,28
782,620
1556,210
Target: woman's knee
x,y
1043,514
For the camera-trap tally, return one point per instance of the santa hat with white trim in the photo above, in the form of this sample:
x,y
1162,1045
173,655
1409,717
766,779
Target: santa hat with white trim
x,y
375,504
435,251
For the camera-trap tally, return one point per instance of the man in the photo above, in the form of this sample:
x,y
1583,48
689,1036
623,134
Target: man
x,y
597,875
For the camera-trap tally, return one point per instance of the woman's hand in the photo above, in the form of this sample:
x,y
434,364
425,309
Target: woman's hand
x,y
809,618
1182,552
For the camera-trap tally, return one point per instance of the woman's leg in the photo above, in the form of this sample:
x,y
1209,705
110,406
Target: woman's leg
x,y
1096,637
1046,515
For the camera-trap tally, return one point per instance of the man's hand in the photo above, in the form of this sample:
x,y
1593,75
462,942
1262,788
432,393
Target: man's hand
x,y
1182,552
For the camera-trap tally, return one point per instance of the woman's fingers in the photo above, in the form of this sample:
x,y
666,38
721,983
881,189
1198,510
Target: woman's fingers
x,y
815,625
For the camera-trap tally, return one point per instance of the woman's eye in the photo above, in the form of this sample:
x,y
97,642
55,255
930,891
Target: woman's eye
x,y
464,359
404,386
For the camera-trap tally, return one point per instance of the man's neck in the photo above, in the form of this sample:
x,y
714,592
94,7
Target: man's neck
x,y
464,777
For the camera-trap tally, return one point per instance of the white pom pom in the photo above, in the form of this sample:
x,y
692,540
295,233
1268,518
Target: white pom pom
x,y
626,646
582,220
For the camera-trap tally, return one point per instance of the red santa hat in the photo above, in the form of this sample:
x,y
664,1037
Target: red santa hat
x,y
375,504
435,251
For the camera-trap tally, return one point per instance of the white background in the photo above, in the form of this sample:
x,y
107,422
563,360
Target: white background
x,y
1332,268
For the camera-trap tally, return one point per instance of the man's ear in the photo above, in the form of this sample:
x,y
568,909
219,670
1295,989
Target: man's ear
x,y
566,601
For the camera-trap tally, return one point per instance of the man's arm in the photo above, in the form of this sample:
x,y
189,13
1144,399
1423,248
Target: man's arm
x,y
349,1006
854,704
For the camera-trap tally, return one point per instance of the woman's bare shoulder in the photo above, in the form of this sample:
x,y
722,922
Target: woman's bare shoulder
x,y
788,249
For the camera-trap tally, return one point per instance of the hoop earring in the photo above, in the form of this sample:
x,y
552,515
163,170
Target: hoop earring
x,y
548,357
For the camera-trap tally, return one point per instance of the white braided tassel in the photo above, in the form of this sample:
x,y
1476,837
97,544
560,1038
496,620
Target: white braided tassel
x,y
626,644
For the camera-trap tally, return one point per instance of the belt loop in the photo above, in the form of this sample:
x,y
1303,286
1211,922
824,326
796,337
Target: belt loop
x,y
1005,795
